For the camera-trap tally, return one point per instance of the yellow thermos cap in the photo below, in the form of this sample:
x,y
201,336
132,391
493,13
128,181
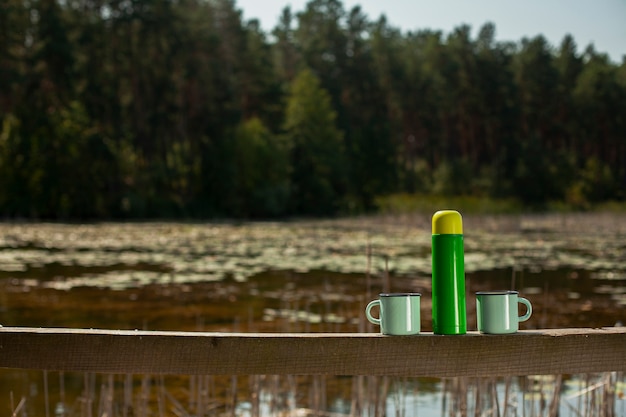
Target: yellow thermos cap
x,y
447,222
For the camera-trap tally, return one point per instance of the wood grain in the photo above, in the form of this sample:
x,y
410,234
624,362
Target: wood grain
x,y
555,351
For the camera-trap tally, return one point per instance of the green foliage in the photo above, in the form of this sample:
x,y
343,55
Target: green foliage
x,y
262,181
593,184
427,204
12,194
167,109
452,178
317,157
60,170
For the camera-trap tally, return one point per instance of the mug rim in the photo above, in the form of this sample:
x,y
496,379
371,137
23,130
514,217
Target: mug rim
x,y
399,294
497,292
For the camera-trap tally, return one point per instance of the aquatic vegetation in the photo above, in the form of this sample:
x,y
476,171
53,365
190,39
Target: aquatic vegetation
x,y
193,252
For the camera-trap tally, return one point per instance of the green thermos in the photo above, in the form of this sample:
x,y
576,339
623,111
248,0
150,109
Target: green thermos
x,y
448,269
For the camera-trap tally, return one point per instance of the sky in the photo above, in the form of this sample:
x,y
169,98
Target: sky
x,y
598,22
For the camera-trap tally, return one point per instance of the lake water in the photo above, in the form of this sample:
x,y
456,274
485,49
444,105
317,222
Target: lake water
x,y
300,276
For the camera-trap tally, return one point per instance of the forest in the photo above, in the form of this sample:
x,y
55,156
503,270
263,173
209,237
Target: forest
x,y
132,109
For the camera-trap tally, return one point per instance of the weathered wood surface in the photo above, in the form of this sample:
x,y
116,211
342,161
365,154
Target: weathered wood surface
x,y
557,351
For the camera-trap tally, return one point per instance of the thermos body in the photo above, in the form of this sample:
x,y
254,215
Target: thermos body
x,y
448,274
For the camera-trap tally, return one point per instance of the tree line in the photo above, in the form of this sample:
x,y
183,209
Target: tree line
x,y
180,108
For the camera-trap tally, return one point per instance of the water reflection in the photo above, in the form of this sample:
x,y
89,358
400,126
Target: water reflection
x,y
32,393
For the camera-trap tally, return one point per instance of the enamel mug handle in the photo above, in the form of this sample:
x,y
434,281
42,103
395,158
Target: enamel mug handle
x,y
529,309
368,313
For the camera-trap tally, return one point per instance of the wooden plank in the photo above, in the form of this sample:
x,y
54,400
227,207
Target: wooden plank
x,y
558,351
